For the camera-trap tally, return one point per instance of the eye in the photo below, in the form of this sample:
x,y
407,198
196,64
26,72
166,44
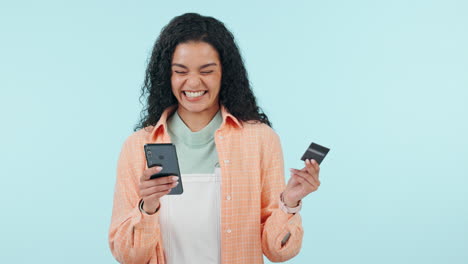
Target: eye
x,y
180,72
206,72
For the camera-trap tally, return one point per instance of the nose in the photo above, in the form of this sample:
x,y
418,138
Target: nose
x,y
193,81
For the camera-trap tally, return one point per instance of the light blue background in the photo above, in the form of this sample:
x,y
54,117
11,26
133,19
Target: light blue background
x,y
382,83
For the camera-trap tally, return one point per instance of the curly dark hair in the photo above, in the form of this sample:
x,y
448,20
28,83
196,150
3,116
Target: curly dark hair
x,y
235,93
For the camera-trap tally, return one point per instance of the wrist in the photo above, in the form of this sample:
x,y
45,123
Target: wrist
x,y
288,202
287,208
149,210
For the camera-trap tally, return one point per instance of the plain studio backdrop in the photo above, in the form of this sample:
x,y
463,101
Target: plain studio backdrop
x,y
382,83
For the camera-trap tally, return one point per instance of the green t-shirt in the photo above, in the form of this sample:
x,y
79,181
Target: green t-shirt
x,y
196,151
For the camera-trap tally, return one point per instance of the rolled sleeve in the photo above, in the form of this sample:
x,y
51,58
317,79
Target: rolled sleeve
x,y
277,225
133,235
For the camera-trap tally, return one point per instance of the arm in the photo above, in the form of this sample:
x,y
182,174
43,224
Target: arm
x,y
277,226
133,235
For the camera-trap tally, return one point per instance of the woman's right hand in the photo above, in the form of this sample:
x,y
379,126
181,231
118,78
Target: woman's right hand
x,y
152,189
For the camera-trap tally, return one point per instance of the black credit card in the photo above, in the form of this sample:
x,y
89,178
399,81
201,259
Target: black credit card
x,y
315,152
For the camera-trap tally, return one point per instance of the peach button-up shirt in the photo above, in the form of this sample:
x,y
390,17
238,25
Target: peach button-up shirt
x,y
252,171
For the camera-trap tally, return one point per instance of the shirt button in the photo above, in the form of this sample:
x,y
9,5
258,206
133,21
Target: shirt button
x,y
226,161
228,231
228,197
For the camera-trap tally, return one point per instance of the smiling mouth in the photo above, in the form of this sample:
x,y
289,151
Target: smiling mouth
x,y
194,94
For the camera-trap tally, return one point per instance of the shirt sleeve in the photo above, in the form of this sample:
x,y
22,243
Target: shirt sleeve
x,y
134,237
282,233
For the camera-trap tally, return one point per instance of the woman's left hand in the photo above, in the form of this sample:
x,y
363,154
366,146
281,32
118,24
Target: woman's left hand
x,y
301,183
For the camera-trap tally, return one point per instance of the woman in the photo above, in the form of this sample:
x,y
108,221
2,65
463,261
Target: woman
x,y
235,206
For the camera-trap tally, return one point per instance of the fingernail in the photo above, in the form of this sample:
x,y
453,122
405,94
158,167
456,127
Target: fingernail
x,y
308,161
175,178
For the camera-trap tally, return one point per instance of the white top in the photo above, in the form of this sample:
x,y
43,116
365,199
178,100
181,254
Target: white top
x,y
191,221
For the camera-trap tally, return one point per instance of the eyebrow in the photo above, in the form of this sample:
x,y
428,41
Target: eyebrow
x,y
201,67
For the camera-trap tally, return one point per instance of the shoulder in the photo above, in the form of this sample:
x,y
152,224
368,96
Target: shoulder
x,y
132,151
262,132
138,138
264,141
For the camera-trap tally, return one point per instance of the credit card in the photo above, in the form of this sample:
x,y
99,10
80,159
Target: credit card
x,y
316,152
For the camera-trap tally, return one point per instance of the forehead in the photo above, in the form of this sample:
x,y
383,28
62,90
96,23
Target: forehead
x,y
194,53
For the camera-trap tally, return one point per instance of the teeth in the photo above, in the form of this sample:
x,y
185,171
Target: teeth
x,y
194,94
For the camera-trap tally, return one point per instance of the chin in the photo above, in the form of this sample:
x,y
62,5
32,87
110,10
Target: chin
x,y
195,108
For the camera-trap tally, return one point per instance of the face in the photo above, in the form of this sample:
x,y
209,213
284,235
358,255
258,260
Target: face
x,y
196,77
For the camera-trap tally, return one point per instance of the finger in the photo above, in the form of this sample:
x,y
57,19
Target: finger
x,y
150,172
312,172
313,179
305,175
156,195
156,189
158,181
314,176
302,180
303,169
317,169
312,169
165,179
316,165
306,184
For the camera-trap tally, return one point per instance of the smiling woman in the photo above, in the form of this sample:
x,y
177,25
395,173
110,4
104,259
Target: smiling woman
x,y
196,81
199,99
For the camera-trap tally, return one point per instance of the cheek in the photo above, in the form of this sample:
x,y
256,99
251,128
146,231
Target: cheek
x,y
176,83
214,81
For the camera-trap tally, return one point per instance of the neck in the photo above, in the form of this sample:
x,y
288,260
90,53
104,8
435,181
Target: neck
x,y
197,121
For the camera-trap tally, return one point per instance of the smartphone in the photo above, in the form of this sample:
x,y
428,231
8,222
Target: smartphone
x,y
316,152
164,155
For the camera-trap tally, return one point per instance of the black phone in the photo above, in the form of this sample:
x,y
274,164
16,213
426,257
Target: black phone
x,y
316,152
164,155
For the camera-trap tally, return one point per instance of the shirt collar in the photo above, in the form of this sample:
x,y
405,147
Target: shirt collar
x,y
161,127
